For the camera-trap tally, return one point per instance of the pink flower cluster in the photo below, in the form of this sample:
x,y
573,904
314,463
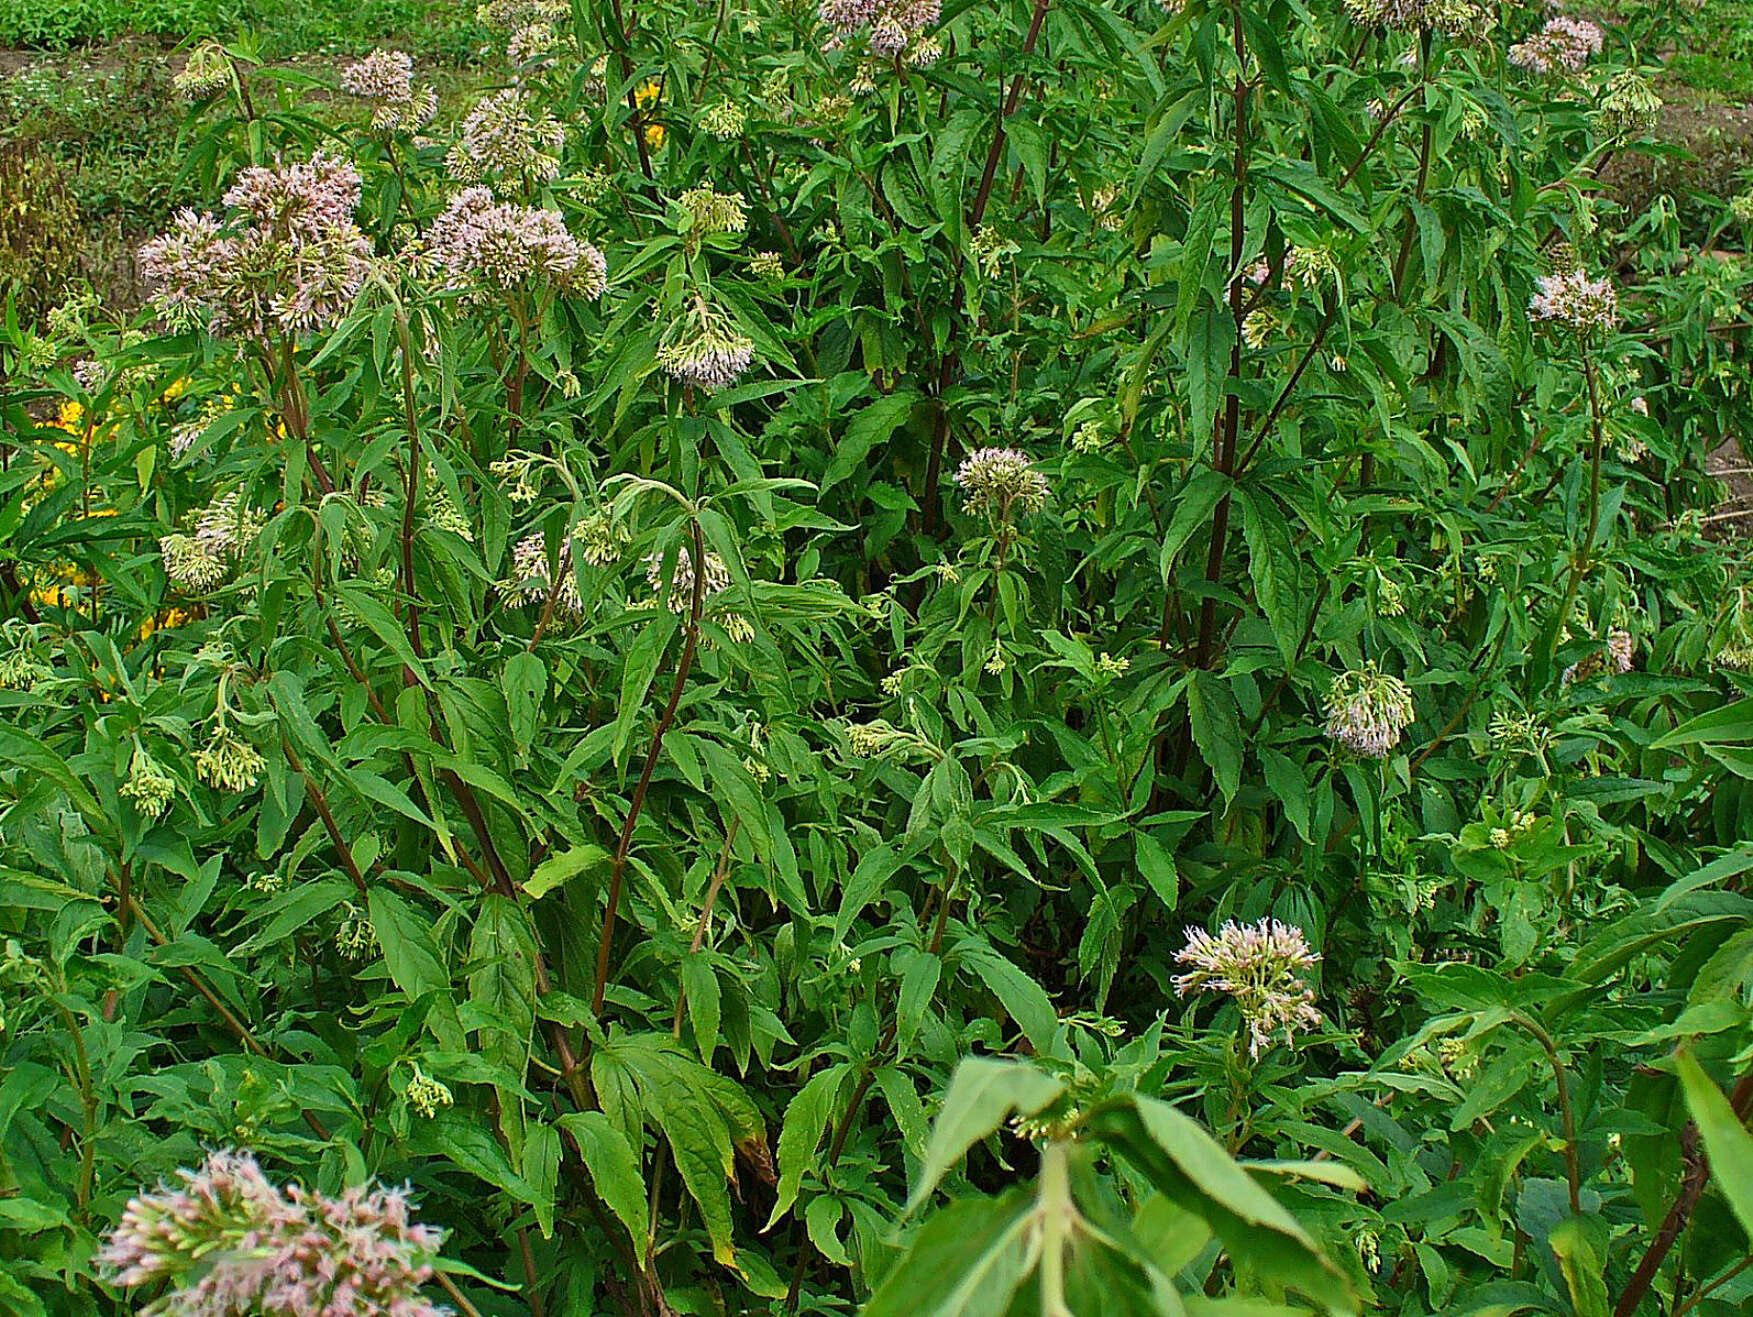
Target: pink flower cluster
x,y
1574,299
504,137
1367,710
532,577
386,79
1564,43
292,260
1615,660
479,240
895,25
230,1243
1257,965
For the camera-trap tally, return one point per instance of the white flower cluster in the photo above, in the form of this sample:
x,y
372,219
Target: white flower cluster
x,y
532,577
478,241
1565,43
1573,298
681,596
502,138
1002,484
704,349
223,532
1259,966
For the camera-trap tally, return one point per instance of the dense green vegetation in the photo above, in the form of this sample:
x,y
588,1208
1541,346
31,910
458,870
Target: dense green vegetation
x,y
1042,658
284,28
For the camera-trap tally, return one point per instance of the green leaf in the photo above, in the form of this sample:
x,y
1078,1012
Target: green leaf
x,y
613,1168
918,984
806,1118
968,1259
1285,780
1217,730
701,1146
1193,508
502,979
983,1094
705,1003
1208,365
384,626
557,870
461,1138
525,682
1272,563
1025,1000
1158,867
1727,1143
1580,1244
868,427
868,881
408,949
1731,865
1192,1169
541,1171
1730,724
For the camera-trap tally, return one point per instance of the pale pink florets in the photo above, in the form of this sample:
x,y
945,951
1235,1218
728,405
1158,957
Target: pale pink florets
x,y
1259,966
1002,483
385,78
291,260
505,137
230,1243
532,578
1565,43
1614,660
1367,710
896,27
306,198
1574,299
478,240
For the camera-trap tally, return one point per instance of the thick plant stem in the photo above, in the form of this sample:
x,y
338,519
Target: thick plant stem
x,y
1566,1111
88,1108
562,570
1425,144
296,412
623,44
690,640
1680,1211
416,463
1283,399
320,804
1058,1225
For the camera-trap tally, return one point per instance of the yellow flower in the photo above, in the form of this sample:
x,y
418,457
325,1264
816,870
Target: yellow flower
x,y
655,136
169,620
74,574
72,417
646,94
174,390
52,596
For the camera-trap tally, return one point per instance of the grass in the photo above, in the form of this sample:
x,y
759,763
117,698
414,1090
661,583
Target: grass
x,y
1709,47
441,31
104,121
